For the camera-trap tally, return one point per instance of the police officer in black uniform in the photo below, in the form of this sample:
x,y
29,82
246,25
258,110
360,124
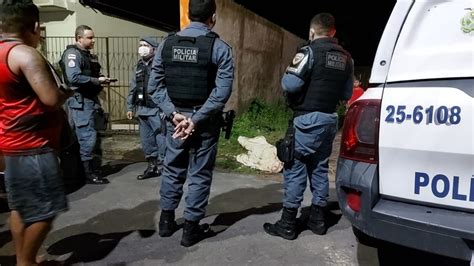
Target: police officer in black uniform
x,y
139,103
319,77
81,70
191,81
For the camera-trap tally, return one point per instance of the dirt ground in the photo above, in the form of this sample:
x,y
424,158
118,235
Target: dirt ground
x,y
127,147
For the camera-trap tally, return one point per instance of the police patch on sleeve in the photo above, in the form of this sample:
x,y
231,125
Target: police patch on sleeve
x,y
185,54
71,63
301,63
335,60
71,56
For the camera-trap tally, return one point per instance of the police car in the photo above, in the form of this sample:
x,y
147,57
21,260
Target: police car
x,y
406,168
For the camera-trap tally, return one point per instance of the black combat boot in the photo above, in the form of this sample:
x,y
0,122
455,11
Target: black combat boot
x,y
153,169
286,226
167,225
316,222
193,232
91,176
159,164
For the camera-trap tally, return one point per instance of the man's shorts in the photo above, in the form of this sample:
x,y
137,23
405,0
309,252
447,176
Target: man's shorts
x,y
34,186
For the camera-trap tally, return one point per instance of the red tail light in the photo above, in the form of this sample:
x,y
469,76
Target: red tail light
x,y
353,200
360,136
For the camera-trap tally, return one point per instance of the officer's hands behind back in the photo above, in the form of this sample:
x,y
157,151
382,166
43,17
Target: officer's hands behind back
x,y
184,126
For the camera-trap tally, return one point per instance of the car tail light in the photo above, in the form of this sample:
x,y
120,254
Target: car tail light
x,y
353,199
361,132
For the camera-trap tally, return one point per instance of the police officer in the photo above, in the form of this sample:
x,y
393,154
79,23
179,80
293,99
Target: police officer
x,y
318,78
139,103
82,73
191,81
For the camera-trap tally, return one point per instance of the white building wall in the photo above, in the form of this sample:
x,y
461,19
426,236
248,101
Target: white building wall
x,y
117,53
63,22
58,23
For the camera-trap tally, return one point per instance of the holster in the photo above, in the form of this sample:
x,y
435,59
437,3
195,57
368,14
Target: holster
x,y
76,102
286,146
227,122
101,119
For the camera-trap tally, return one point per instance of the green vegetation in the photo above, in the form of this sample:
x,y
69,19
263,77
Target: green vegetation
x,y
341,112
261,119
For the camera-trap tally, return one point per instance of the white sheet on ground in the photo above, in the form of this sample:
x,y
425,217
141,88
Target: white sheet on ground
x,y
261,155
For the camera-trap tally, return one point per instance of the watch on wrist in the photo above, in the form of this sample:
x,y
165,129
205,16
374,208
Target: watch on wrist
x,y
173,114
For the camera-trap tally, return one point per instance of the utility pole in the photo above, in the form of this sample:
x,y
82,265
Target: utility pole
x,y
183,13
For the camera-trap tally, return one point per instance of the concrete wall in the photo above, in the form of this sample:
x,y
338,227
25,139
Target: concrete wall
x,y
262,51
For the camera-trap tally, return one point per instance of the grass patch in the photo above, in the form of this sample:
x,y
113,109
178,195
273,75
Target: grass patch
x,y
261,119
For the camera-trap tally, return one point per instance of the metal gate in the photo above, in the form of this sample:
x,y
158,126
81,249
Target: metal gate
x,y
117,56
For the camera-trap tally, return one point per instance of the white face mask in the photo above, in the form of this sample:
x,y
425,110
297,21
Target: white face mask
x,y
143,51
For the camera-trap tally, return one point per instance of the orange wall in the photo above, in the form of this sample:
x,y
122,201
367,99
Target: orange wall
x,y
261,50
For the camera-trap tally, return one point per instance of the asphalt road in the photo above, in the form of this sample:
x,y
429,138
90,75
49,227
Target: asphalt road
x,y
116,224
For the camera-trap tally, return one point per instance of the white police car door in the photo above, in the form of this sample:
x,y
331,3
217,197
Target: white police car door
x,y
426,138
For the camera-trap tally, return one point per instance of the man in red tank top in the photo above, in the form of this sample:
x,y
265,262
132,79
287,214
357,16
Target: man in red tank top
x,y
30,108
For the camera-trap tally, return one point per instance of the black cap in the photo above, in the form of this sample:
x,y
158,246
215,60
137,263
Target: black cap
x,y
150,40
